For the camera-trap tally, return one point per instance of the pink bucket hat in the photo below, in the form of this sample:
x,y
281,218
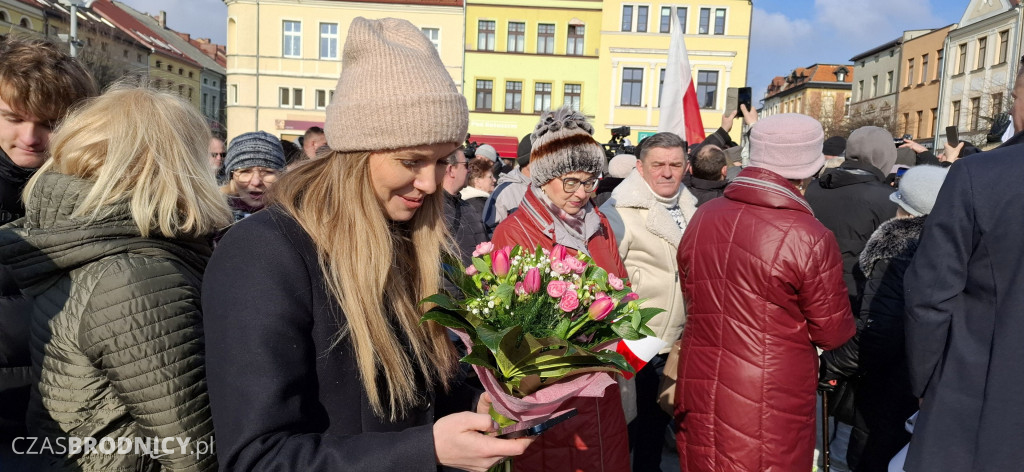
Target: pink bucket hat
x,y
788,144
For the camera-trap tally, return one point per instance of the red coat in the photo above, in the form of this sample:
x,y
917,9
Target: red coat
x,y
763,282
596,439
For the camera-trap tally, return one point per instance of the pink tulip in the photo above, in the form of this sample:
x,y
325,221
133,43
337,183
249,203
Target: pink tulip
x,y
500,263
471,270
569,302
600,309
531,282
519,289
483,248
630,297
558,253
557,288
615,282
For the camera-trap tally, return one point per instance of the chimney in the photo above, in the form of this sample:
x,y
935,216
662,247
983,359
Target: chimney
x,y
163,19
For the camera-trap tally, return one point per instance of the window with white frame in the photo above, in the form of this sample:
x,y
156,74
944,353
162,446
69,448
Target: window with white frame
x,y
234,94
484,93
434,35
642,12
665,25
720,21
485,35
707,88
627,17
290,97
323,98
513,96
292,39
516,36
328,40
705,21
632,86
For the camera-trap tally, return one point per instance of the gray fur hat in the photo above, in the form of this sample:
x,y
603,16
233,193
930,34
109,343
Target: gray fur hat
x,y
254,149
919,187
563,143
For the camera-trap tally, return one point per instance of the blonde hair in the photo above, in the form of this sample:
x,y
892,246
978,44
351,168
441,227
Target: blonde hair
x,y
378,271
144,148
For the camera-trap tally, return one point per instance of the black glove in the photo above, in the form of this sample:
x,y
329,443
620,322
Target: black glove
x,y
828,378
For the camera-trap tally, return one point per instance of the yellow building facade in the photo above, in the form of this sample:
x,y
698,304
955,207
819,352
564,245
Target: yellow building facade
x,y
19,18
634,53
284,56
524,57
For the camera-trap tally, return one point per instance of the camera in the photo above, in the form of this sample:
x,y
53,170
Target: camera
x,y
470,148
618,144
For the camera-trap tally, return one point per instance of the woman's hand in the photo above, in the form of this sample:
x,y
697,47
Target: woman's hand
x,y
483,405
459,442
951,153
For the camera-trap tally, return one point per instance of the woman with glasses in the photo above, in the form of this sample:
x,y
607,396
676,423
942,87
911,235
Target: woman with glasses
x,y
566,165
254,162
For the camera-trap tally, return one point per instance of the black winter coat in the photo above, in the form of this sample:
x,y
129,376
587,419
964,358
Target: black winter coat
x,y
851,201
465,224
876,357
283,399
704,190
964,293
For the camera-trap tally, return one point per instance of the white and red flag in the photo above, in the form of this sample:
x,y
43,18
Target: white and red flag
x,y
680,111
638,353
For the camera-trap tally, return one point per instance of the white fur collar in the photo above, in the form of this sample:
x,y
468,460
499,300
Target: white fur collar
x,y
634,192
469,191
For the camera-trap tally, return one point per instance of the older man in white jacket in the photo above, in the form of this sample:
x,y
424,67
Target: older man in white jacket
x,y
648,212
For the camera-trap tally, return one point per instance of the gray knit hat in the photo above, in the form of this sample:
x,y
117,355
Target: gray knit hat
x,y
253,149
562,143
488,151
394,91
919,187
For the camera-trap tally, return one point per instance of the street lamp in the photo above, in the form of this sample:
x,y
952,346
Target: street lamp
x,y
73,37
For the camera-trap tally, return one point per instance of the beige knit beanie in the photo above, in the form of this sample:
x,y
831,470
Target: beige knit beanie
x,y
394,91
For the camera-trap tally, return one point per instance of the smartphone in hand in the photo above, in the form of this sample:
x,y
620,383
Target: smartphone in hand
x,y
534,427
745,97
952,136
732,101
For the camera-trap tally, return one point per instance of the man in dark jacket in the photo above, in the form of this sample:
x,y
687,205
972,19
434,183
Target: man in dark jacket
x,y
38,84
466,227
852,200
964,292
706,176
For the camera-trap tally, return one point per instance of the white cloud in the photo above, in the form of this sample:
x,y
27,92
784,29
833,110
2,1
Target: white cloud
x,y
778,30
873,22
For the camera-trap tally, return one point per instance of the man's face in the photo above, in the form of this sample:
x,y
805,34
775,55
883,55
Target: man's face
x,y
663,169
459,172
24,138
1018,105
312,143
216,154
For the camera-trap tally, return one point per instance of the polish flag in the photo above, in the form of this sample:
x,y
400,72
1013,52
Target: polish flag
x,y
680,112
638,353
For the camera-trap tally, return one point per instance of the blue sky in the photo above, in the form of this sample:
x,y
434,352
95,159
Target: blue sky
x,y
787,34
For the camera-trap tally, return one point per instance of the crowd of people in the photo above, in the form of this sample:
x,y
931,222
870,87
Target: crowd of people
x,y
157,282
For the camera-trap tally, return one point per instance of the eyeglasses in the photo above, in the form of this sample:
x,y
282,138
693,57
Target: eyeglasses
x,y
245,175
570,184
218,154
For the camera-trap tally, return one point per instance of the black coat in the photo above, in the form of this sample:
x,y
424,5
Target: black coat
x,y
704,190
465,224
282,397
875,358
851,201
964,299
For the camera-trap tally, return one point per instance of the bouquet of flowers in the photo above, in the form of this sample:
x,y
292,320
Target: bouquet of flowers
x,y
541,327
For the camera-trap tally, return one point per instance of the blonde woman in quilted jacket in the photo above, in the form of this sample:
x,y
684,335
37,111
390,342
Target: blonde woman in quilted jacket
x,y
112,248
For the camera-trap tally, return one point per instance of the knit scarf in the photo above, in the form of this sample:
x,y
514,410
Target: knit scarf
x,y
571,230
672,205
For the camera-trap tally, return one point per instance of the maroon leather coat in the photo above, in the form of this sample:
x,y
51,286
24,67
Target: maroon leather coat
x,y
763,282
596,439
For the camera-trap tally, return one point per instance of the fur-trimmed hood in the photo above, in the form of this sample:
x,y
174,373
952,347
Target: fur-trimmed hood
x,y
634,192
894,239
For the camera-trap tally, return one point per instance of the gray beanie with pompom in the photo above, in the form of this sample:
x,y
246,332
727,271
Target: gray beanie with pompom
x,y
563,143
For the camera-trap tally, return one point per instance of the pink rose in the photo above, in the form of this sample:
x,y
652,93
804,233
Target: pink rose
x,y
569,302
561,267
630,297
558,253
531,281
556,288
471,270
483,248
500,263
601,307
615,282
577,265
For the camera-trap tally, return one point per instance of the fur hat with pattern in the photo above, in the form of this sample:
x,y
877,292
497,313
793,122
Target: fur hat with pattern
x,y
563,143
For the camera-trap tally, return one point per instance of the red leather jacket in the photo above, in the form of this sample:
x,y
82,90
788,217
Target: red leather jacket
x,y
763,281
596,440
